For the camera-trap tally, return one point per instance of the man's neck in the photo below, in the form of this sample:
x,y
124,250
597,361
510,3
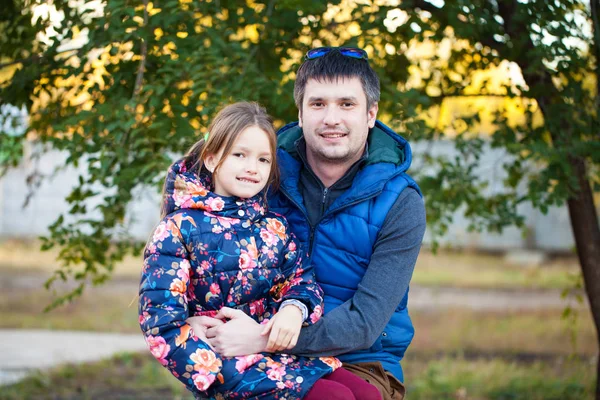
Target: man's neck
x,y
329,172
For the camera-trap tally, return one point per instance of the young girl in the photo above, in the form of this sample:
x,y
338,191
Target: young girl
x,y
216,247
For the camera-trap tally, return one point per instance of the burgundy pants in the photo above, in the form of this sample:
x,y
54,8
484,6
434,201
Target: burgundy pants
x,y
342,385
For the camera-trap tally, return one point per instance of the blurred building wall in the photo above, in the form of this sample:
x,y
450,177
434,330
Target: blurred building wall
x,y
550,232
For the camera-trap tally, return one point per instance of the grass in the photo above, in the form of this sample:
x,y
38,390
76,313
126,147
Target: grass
x,y
126,376
447,268
475,270
461,379
139,376
99,309
534,333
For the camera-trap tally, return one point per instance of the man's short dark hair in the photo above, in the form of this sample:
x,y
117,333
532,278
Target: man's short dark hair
x,y
333,66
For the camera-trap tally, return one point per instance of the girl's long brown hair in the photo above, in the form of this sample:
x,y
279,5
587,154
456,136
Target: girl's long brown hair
x,y
224,130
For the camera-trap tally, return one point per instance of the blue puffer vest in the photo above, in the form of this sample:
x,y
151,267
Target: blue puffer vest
x,y
342,242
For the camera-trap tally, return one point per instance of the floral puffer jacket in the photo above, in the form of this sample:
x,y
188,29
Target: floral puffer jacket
x,y
210,252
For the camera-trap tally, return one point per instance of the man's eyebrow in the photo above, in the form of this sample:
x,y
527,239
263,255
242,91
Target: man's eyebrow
x,y
321,98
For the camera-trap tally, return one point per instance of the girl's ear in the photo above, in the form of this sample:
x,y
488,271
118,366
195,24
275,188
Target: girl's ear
x,y
211,162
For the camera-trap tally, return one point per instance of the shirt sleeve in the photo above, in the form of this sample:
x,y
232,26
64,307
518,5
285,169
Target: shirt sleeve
x,y
163,307
298,304
357,323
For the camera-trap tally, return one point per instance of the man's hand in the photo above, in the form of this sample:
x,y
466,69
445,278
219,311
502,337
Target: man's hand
x,y
285,328
201,324
240,336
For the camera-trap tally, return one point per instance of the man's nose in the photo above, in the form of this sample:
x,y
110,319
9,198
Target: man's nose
x,y
332,116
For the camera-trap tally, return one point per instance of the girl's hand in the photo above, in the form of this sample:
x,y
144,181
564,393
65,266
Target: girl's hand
x,y
285,328
201,324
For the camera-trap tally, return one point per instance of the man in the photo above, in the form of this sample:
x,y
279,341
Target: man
x,y
348,199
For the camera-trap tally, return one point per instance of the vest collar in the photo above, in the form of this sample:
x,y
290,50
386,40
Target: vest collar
x,y
389,155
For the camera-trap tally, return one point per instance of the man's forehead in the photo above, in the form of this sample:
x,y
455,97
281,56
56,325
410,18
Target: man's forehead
x,y
336,87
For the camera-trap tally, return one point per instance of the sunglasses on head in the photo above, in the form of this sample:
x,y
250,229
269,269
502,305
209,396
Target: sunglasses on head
x,y
351,52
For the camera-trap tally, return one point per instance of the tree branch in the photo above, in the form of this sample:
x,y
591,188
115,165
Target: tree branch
x,y
143,54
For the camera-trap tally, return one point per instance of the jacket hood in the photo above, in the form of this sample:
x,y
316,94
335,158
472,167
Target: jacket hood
x,y
385,145
186,189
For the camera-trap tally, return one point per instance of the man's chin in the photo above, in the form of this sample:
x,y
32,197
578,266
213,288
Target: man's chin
x,y
333,156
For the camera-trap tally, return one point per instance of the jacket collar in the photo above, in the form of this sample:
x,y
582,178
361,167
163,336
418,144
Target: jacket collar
x,y
186,189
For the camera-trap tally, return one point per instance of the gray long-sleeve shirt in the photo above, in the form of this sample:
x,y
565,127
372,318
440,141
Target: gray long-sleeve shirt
x,y
357,323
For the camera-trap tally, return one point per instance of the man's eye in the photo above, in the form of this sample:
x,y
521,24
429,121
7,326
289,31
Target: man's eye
x,y
348,104
317,104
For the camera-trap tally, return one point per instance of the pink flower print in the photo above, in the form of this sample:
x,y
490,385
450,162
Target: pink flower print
x,y
144,317
204,266
275,373
292,246
159,348
184,192
184,271
246,262
316,314
214,288
268,237
285,385
227,235
245,362
217,229
161,232
226,222
257,307
203,381
151,248
215,204
182,199
289,384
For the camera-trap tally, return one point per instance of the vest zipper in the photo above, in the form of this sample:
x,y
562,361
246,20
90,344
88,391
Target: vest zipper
x,y
313,228
325,191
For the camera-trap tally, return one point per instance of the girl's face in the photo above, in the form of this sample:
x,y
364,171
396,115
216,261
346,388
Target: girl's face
x,y
245,170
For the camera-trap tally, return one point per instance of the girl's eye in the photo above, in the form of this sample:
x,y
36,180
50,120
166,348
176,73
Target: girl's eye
x,y
238,155
265,160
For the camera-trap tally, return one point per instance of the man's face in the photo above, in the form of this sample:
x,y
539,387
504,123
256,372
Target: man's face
x,y
335,120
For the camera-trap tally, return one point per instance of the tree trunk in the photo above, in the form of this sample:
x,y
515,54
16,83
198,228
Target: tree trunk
x,y
591,271
582,211
584,222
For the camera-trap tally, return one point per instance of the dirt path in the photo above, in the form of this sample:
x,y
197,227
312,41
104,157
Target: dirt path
x,y
426,298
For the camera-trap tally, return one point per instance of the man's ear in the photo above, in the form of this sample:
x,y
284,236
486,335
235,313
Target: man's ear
x,y
300,118
210,162
372,114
